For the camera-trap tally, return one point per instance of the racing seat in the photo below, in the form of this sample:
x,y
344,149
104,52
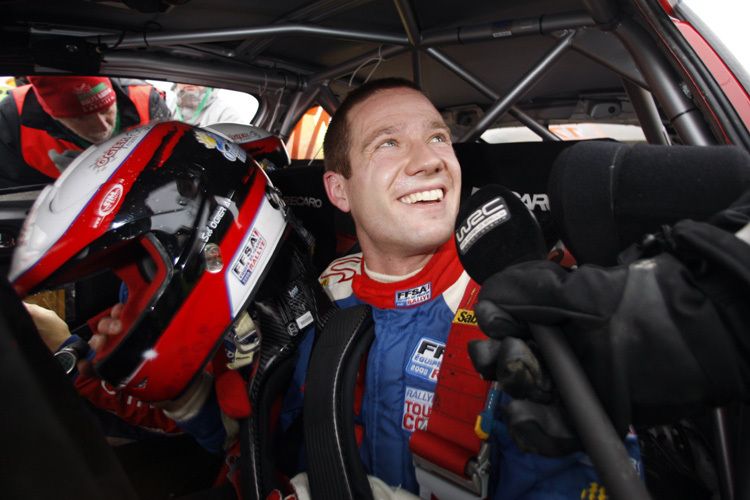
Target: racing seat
x,y
302,189
522,167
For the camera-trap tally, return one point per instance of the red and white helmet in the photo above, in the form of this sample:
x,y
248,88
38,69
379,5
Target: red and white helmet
x,y
185,218
265,148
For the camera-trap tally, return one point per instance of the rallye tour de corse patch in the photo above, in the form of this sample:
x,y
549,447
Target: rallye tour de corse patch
x,y
417,408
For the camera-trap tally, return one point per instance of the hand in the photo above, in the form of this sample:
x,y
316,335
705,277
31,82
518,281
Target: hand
x,y
183,408
543,429
62,160
53,330
107,326
653,344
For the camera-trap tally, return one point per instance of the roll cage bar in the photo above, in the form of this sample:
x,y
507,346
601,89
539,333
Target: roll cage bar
x,y
598,33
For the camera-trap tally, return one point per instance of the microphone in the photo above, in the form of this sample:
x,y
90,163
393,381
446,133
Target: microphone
x,y
606,195
494,230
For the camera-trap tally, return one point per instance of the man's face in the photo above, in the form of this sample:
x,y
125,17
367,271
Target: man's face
x,y
96,127
189,96
405,186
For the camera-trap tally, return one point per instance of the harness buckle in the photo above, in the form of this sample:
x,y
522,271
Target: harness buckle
x,y
443,484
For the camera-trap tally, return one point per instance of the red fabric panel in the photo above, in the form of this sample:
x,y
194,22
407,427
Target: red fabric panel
x,y
440,452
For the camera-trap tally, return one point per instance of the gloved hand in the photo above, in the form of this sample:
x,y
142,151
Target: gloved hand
x,y
62,160
660,339
536,421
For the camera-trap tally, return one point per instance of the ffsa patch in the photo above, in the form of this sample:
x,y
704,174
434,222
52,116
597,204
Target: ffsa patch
x,y
414,296
425,359
249,256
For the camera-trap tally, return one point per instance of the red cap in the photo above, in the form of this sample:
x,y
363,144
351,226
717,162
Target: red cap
x,y
73,96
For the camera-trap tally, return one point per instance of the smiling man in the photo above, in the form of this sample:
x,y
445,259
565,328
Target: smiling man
x,y
390,163
393,167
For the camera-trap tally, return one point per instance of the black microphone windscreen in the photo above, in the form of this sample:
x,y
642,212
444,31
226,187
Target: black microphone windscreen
x,y
605,196
494,230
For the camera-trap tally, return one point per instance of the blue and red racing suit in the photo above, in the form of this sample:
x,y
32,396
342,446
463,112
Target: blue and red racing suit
x,y
412,319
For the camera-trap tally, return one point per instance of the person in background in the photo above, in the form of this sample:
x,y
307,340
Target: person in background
x,y
202,106
46,124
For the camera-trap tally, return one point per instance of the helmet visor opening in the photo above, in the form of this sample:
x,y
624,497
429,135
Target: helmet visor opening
x,y
147,274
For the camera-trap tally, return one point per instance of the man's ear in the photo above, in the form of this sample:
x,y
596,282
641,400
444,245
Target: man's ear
x,y
336,189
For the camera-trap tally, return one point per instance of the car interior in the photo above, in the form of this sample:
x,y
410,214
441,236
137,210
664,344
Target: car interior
x,y
559,72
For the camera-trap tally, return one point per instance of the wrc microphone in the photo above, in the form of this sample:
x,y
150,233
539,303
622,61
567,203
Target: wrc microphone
x,y
495,230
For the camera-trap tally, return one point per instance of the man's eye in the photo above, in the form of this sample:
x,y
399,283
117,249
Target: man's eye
x,y
387,144
439,138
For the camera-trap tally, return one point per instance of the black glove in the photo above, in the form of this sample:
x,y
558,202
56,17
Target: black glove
x,y
660,339
537,422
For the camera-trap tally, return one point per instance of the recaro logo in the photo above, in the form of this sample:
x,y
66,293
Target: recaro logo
x,y
532,201
303,201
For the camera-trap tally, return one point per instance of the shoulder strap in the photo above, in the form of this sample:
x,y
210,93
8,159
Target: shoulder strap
x,y
447,449
335,470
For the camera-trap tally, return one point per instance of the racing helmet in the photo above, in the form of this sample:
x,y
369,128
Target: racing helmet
x,y
266,148
190,224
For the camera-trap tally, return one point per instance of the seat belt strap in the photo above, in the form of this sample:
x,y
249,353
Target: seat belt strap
x,y
448,453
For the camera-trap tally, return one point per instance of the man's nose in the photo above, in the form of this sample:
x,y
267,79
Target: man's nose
x,y
424,160
99,121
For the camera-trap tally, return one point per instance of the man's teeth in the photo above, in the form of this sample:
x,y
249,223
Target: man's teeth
x,y
431,195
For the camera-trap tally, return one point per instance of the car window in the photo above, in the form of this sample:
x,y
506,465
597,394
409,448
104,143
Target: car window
x,y
630,134
715,32
725,20
243,106
306,140
6,83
